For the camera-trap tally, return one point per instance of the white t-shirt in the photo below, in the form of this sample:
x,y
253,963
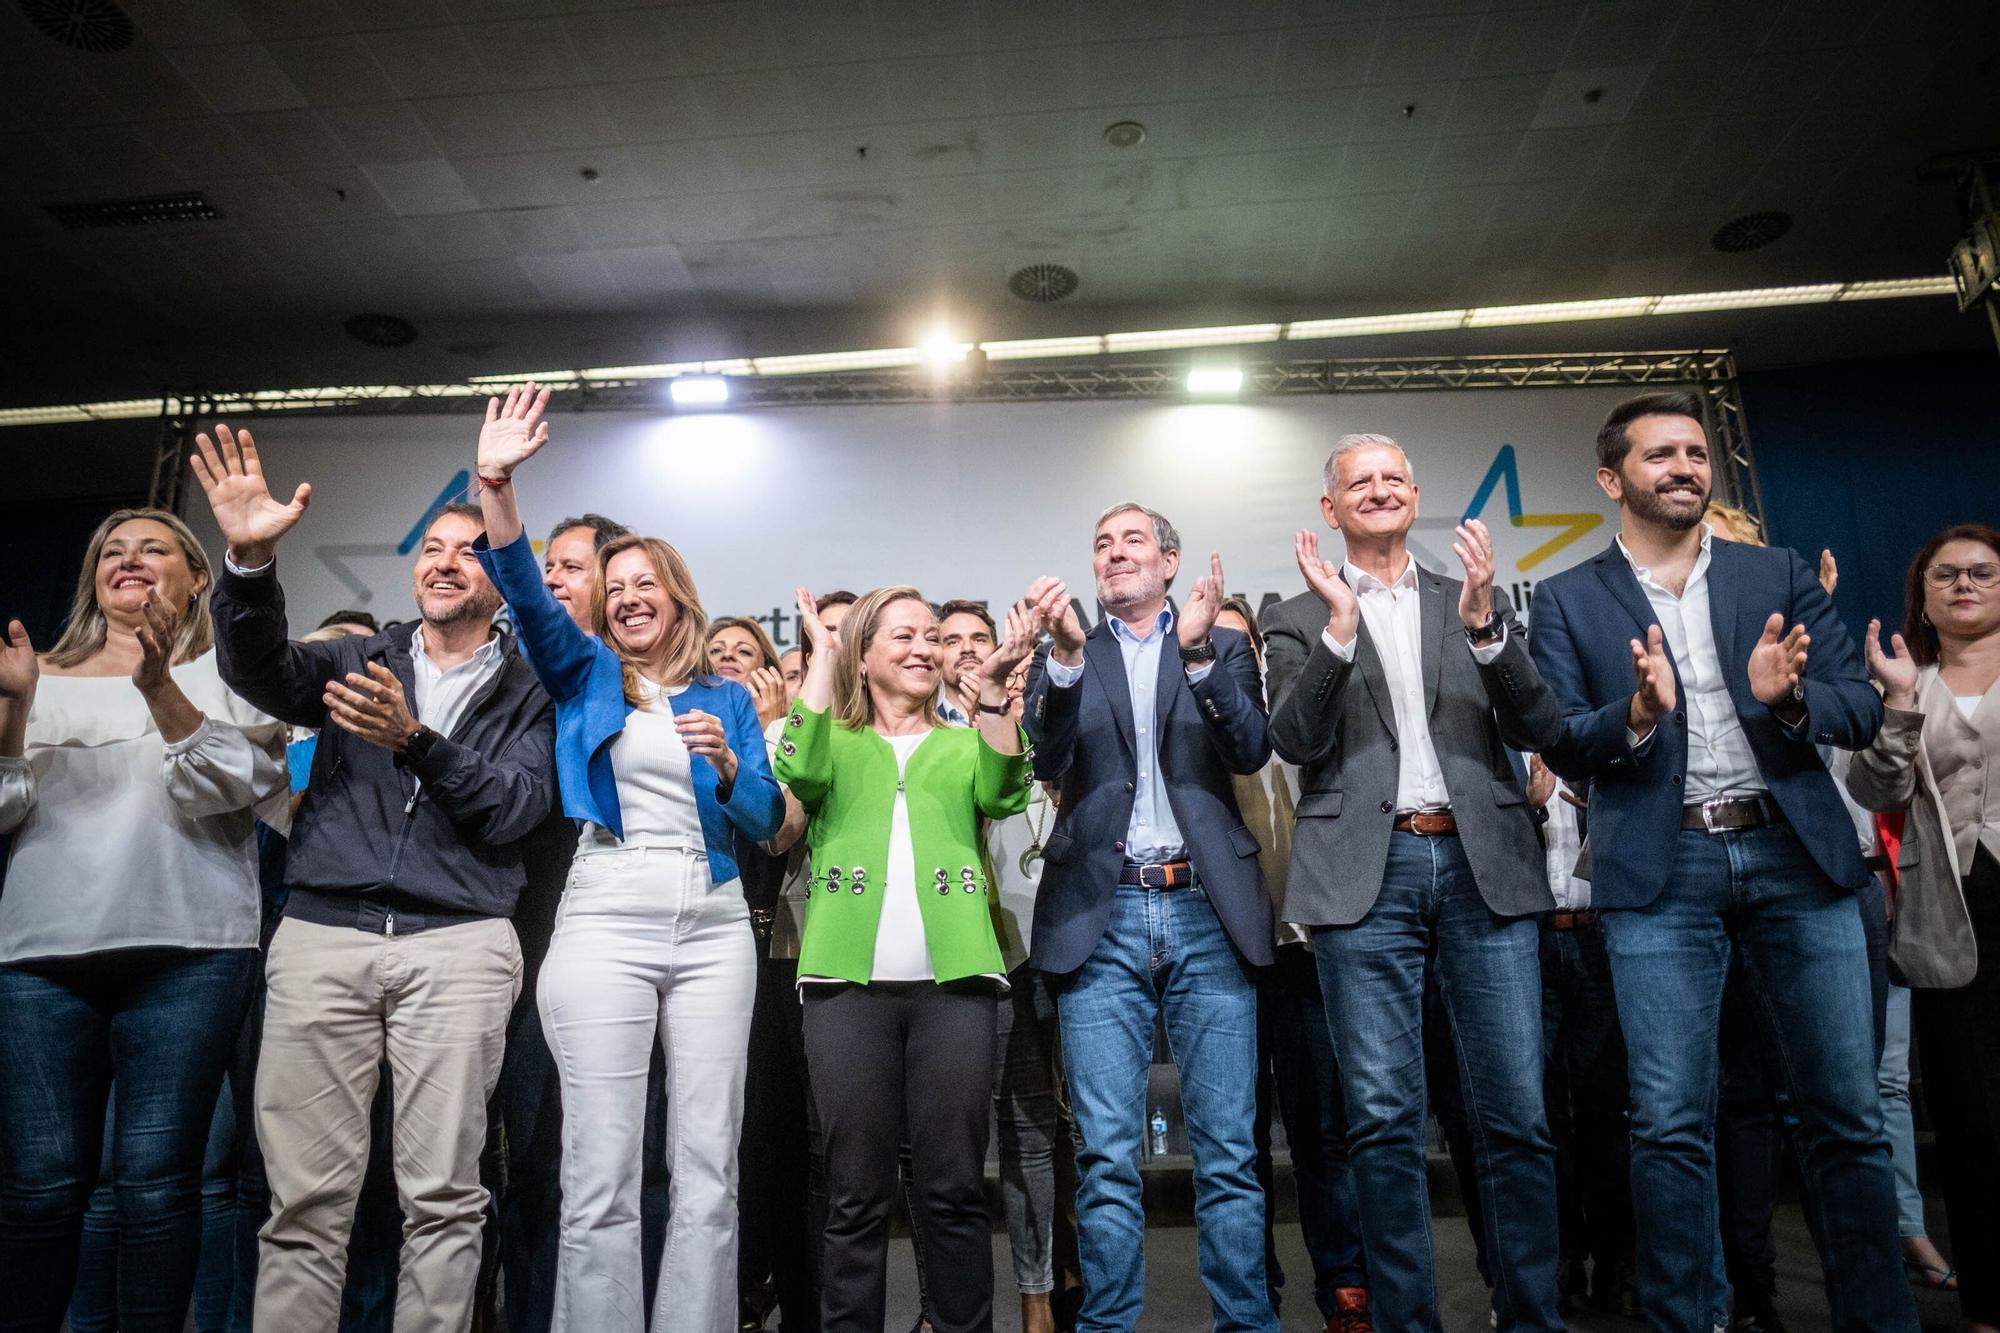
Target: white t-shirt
x,y
122,841
902,950
655,780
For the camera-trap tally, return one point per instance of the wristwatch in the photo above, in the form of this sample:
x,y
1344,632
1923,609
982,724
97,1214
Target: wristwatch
x,y
1200,653
1486,633
419,743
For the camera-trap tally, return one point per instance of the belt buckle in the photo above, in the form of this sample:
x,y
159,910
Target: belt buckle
x,y
1708,812
1146,880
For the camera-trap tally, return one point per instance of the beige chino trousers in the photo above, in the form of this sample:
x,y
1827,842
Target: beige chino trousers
x,y
341,1001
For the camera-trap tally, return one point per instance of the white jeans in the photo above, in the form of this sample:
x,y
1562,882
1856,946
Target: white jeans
x,y
644,944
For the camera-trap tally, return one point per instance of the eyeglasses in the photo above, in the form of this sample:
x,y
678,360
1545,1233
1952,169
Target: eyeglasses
x,y
1986,574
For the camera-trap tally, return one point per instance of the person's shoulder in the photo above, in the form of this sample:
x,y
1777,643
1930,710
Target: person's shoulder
x,y
1299,609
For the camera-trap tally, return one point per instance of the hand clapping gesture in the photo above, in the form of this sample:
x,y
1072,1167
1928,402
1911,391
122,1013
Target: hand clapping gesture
x,y
372,707
1653,669
158,628
1197,618
514,431
1777,663
1895,671
767,692
20,670
1474,549
703,735
1343,610
232,477
825,642
1049,602
1016,643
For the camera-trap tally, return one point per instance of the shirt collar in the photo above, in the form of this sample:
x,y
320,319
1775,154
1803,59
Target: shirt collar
x,y
485,653
1362,581
1643,573
1160,626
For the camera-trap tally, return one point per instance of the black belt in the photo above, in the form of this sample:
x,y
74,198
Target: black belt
x,y
1158,875
394,913
1738,812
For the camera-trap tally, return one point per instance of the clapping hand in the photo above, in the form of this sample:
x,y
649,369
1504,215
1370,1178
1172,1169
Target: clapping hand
x,y
1474,549
1049,602
158,629
19,668
1778,661
1017,641
1895,671
514,431
1653,670
232,477
1829,572
1204,601
702,733
767,692
1323,577
824,641
372,707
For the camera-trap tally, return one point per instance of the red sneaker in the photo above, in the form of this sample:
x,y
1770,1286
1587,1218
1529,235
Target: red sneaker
x,y
1350,1311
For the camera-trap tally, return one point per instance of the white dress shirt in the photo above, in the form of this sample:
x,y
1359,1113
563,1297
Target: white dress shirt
x,y
443,693
1393,613
1720,762
1564,845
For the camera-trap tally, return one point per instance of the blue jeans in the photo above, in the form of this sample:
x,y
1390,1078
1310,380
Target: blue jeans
x,y
1165,951
1488,974
161,1021
1758,896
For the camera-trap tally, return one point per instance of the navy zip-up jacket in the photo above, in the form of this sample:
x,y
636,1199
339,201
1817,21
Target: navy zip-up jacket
x,y
445,849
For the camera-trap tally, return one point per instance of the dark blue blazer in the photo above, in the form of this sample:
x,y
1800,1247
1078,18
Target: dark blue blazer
x,y
1083,739
1583,621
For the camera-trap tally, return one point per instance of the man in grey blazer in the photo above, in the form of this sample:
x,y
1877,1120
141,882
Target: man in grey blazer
x,y
1397,692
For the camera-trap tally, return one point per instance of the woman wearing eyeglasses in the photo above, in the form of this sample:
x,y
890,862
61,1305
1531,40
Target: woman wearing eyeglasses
x,y
1938,757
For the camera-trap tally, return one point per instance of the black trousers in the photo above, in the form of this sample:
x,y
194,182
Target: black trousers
x,y
1958,1041
884,1059
775,1169
1589,1101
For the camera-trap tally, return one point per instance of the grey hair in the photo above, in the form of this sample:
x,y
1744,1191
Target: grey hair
x,y
1354,444
1164,533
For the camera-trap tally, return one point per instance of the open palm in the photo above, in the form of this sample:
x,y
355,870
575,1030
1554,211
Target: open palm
x,y
232,477
513,432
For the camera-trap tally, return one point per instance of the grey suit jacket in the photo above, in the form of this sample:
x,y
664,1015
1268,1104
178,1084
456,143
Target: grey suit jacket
x,y
1337,721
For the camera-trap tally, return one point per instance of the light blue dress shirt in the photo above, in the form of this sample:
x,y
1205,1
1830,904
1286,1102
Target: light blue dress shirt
x,y
1153,835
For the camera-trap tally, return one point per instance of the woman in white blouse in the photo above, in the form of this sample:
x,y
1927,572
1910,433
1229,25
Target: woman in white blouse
x,y
130,780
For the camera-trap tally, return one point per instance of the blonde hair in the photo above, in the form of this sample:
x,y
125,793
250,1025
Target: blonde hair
x,y
687,641
1736,525
766,650
84,636
852,708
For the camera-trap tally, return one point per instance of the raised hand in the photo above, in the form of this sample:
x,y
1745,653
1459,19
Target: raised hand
x,y
1541,782
1017,641
1653,670
824,641
19,668
1474,549
372,707
232,477
1829,572
1197,618
158,628
513,432
1323,577
1049,602
702,733
1778,661
1895,671
767,692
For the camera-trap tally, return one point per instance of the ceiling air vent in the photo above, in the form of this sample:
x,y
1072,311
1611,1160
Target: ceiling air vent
x,y
188,207
381,330
97,26
1752,231
1042,283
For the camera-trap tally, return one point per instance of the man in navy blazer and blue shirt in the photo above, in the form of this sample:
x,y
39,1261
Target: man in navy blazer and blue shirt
x,y
1151,902
1696,677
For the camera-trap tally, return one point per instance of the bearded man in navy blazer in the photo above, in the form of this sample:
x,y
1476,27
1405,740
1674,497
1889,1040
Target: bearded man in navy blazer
x,y
1696,677
1151,904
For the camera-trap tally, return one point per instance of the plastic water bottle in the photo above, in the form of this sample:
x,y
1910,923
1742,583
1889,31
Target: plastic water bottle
x,y
1158,1125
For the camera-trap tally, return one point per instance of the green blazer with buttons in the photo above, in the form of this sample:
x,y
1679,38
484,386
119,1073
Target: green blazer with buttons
x,y
846,780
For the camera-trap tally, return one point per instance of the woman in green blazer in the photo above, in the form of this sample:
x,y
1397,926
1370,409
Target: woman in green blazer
x,y
899,966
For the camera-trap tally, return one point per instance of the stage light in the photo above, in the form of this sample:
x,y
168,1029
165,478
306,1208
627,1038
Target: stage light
x,y
943,351
1215,381
698,390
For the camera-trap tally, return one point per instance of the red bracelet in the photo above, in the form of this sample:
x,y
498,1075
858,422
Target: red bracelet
x,y
495,482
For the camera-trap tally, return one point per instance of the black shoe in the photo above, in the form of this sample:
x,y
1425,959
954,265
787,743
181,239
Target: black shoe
x,y
1572,1285
1760,1321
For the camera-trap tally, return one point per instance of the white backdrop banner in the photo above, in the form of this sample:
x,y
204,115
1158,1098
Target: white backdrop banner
x,y
962,500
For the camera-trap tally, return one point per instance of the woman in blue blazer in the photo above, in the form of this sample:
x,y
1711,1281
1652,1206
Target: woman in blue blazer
x,y
664,767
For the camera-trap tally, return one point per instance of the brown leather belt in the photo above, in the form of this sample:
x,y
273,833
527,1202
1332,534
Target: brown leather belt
x,y
1158,875
1570,920
1739,813
1429,823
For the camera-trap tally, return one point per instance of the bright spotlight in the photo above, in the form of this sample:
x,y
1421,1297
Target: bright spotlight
x,y
698,390
1215,381
943,351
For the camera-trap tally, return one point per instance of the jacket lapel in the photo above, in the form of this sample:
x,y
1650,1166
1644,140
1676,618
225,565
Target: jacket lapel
x,y
1369,663
1102,655
1616,573
1722,612
1170,683
1432,618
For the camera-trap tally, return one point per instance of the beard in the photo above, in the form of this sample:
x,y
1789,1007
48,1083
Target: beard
x,y
1137,591
1654,508
475,607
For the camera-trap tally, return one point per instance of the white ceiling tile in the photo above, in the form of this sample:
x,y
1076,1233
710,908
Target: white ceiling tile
x,y
1028,80
1547,154
206,150
1309,120
561,118
430,62
718,38
1474,159
526,53
1711,28
374,14
654,271
652,109
851,94
762,161
926,27
1366,215
143,85
1227,64
1526,41
1123,20
431,185
333,71
379,131
240,77
1330,56
276,20
338,195
1493,105
169,23
682,166
1378,168
1006,25
473,126
935,87
460,235
1383,111
1621,32
257,201
1302,173
757,102
120,162
1423,50
619,226
811,32
1590,96
577,280
625,44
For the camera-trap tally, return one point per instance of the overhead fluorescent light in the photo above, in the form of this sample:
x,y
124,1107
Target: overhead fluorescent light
x,y
1870,291
1360,326
1160,340
943,351
1557,312
1746,299
1023,349
1215,381
698,390
822,363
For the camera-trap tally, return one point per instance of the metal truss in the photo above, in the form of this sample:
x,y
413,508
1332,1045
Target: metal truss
x,y
179,414
1710,373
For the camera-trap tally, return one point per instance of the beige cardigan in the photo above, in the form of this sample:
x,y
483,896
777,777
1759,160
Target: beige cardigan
x,y
1930,937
